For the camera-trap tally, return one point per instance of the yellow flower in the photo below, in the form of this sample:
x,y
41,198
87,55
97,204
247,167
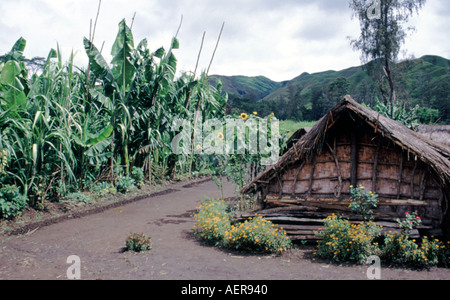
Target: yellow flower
x,y
255,113
244,116
220,136
198,147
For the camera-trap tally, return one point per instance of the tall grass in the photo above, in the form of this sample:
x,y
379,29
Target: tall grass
x,y
67,127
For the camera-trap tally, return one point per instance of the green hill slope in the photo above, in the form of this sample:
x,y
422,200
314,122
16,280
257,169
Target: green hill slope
x,y
249,88
423,81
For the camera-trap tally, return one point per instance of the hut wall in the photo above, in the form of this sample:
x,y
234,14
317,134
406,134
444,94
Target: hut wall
x,y
398,178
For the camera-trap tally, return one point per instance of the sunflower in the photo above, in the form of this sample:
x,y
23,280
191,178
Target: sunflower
x,y
255,113
244,116
198,147
220,136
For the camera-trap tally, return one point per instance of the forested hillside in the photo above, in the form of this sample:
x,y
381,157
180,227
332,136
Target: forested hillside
x,y
423,81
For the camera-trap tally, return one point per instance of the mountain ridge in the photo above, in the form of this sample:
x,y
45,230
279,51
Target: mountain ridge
x,y
425,82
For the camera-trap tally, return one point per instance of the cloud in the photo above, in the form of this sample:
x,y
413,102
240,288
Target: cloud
x,y
276,38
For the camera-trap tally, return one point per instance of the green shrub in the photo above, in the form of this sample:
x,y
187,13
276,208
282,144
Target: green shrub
x,y
12,202
363,201
343,241
103,188
138,242
426,253
125,184
410,222
257,235
138,175
78,197
212,221
213,224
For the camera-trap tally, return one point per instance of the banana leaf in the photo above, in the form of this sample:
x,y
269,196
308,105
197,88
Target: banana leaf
x,y
106,133
14,94
123,57
17,50
98,64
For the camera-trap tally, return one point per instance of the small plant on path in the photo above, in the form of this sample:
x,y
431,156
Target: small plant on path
x,y
138,242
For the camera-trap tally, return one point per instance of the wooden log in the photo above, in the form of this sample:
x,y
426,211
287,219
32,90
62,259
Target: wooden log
x,y
375,166
384,201
354,159
311,177
400,176
388,202
293,227
423,186
412,180
304,237
296,177
338,168
294,220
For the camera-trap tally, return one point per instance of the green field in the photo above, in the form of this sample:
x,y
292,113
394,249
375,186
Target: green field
x,y
288,127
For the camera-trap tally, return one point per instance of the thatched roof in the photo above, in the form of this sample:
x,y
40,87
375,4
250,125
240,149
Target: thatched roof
x,y
433,154
296,137
437,133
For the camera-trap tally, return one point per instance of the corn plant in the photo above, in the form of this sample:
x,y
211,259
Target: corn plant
x,y
66,127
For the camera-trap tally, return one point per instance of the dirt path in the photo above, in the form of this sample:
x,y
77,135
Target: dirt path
x,y
98,241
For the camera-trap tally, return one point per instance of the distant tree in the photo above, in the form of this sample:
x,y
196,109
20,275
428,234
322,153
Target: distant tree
x,y
338,89
383,32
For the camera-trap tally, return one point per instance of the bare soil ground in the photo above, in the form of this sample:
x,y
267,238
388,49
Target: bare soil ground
x,y
40,250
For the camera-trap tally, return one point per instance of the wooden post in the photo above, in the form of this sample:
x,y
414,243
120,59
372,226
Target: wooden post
x,y
400,176
354,159
338,168
311,177
280,184
296,177
375,166
423,184
412,179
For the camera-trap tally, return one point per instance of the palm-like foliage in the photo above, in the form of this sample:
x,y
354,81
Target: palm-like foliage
x,y
57,129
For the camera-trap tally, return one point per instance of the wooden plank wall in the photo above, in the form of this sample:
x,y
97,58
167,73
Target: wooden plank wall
x,y
401,181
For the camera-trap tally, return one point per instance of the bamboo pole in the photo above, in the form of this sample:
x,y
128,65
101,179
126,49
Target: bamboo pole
x,y
375,166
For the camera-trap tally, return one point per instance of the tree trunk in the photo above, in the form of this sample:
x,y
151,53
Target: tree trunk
x,y
390,78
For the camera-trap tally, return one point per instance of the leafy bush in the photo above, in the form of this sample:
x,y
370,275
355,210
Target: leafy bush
x,y
103,188
212,221
125,184
138,242
363,201
400,249
138,175
411,221
12,202
258,235
78,197
343,241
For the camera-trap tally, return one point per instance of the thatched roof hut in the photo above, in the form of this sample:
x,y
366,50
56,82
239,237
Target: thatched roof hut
x,y
354,145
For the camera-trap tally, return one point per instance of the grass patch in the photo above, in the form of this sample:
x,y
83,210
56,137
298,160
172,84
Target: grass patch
x,y
289,127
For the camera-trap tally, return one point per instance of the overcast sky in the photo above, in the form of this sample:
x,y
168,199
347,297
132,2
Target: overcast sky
x,y
279,39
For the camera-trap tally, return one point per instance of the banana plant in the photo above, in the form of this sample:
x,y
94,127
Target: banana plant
x,y
13,78
134,83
